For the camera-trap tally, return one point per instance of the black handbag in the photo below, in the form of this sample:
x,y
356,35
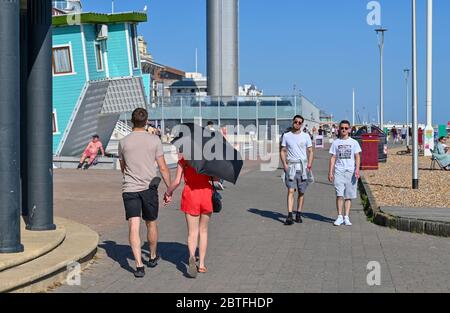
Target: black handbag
x,y
216,199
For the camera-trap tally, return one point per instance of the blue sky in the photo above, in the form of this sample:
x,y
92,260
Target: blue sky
x,y
324,47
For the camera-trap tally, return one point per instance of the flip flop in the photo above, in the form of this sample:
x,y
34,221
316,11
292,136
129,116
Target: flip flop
x,y
192,269
203,270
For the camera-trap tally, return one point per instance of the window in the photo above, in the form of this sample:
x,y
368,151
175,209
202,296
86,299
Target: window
x,y
98,56
62,60
55,123
134,45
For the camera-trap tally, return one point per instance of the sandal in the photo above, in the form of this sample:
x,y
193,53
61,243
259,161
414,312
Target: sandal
x,y
203,270
192,269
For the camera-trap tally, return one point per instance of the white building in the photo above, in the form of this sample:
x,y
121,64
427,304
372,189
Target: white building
x,y
250,91
194,85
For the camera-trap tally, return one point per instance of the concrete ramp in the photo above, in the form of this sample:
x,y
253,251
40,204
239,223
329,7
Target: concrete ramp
x,y
98,110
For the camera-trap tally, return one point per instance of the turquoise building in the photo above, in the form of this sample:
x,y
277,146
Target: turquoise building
x,y
96,76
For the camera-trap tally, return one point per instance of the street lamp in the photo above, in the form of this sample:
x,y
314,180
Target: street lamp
x,y
415,115
406,71
380,32
429,130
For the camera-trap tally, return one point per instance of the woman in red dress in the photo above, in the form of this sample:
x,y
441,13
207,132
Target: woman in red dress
x,y
196,203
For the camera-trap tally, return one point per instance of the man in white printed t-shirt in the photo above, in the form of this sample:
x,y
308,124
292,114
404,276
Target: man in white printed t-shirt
x,y
344,171
297,158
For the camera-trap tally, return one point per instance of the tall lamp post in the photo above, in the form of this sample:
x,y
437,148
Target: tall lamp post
x,y
353,109
429,130
380,32
415,110
406,71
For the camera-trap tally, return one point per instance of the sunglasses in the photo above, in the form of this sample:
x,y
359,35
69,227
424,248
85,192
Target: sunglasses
x,y
298,123
345,128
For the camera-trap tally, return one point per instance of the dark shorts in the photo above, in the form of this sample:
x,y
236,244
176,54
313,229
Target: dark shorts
x,y
143,204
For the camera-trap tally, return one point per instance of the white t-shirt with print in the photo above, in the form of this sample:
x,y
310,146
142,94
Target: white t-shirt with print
x,y
345,151
297,145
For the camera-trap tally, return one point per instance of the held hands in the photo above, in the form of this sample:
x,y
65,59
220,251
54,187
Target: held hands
x,y
167,198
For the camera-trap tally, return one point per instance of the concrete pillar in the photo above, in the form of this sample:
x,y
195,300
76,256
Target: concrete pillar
x,y
9,127
223,47
38,174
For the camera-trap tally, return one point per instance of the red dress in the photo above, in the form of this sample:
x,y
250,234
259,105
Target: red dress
x,y
197,193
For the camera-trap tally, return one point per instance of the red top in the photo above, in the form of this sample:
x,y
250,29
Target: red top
x,y
192,179
197,194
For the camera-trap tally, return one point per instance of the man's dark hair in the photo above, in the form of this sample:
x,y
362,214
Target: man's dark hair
x,y
139,118
345,122
96,137
300,117
210,123
442,138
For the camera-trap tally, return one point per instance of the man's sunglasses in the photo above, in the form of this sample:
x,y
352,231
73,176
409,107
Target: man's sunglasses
x,y
298,123
345,128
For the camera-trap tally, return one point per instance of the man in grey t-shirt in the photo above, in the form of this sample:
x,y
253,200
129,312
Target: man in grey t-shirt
x,y
139,153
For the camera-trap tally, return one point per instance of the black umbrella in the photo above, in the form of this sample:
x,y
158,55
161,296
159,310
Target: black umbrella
x,y
208,152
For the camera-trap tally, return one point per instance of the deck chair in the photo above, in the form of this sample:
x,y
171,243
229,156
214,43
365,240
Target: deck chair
x,y
435,161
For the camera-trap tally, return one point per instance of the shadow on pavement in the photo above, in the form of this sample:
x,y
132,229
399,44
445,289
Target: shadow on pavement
x,y
281,218
119,253
269,214
172,252
318,217
175,253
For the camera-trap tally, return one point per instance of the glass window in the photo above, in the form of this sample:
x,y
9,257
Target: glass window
x,y
133,36
62,60
98,55
54,123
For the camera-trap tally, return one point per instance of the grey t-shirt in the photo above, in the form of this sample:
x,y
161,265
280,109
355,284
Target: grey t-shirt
x,y
139,150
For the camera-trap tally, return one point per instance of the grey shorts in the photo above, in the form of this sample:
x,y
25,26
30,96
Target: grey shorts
x,y
346,185
298,183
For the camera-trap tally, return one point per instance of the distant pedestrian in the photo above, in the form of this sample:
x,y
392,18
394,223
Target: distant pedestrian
x,y
404,133
344,172
394,133
139,153
196,203
321,132
420,139
297,157
210,126
91,152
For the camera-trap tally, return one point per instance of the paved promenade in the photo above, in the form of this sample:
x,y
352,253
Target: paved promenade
x,y
250,248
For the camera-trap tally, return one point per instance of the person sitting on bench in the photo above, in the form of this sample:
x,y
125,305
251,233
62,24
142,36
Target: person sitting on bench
x,y
91,152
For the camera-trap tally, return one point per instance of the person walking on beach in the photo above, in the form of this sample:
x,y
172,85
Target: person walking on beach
x,y
196,203
91,152
138,153
344,172
297,157
394,133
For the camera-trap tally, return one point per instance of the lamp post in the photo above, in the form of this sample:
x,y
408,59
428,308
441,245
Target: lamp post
x,y
429,130
353,109
415,117
406,71
380,32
